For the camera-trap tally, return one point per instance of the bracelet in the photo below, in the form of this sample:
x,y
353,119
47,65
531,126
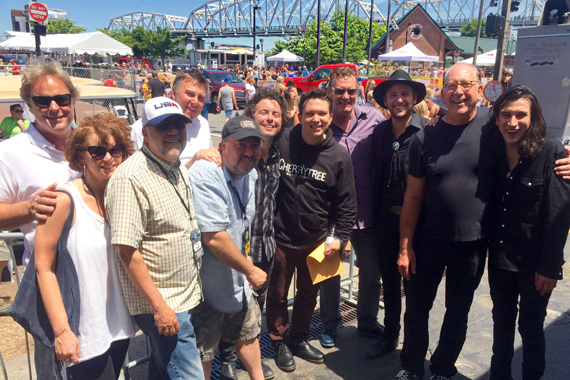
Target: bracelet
x,y
62,331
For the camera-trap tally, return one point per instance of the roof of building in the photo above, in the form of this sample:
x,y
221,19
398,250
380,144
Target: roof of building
x,y
401,20
485,44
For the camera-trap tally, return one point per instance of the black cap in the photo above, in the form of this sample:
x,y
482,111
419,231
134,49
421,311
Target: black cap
x,y
399,77
241,127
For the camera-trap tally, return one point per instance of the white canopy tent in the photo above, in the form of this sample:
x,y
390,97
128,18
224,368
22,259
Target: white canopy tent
x,y
485,59
78,44
286,56
408,52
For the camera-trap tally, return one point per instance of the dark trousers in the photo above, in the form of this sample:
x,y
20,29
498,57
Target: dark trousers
x,y
286,260
389,248
104,367
330,299
366,247
464,263
506,287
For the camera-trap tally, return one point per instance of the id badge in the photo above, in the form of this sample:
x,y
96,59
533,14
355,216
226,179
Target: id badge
x,y
246,241
196,242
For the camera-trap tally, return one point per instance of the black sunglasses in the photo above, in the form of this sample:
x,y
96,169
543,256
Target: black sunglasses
x,y
99,152
165,125
18,111
45,101
341,91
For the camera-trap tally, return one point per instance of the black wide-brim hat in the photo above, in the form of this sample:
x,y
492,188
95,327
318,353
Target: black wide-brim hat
x,y
399,77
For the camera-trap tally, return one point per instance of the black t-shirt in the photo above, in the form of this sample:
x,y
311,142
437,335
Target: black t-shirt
x,y
458,163
156,87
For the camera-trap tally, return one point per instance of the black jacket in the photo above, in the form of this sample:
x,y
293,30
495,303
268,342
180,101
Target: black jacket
x,y
531,214
316,190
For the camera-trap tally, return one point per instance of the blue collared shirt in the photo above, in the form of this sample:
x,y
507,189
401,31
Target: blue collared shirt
x,y
218,209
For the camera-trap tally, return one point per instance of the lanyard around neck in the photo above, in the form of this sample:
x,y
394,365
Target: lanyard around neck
x,y
173,186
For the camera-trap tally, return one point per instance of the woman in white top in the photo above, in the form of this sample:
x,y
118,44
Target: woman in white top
x,y
249,88
96,148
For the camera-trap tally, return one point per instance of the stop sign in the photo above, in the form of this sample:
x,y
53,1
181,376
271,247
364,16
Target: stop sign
x,y
38,12
456,53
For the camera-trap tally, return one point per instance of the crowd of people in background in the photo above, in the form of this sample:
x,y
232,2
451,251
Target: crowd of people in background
x,y
150,221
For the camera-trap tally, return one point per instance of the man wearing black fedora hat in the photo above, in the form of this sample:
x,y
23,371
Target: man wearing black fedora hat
x,y
391,141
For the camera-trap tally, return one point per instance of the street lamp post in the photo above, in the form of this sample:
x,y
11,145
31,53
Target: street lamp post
x,y
318,33
345,31
407,27
255,7
387,43
370,37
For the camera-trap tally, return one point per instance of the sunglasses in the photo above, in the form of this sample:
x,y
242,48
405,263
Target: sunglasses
x,y
165,125
18,111
45,101
99,152
341,91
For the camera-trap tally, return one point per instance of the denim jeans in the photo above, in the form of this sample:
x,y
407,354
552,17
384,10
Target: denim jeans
x,y
330,299
172,357
506,288
464,264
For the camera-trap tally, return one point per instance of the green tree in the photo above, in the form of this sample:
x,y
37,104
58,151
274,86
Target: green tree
x,y
332,34
470,29
63,26
148,43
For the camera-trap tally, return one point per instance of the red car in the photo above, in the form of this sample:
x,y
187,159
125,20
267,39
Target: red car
x,y
319,76
216,80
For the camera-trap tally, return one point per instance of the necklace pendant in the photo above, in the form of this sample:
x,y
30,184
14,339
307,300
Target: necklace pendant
x,y
396,145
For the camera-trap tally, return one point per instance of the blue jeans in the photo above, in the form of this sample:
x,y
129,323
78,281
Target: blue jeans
x,y
228,114
330,299
172,357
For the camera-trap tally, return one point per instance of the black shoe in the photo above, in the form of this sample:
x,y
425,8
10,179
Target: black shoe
x,y
268,373
381,348
284,358
305,351
228,371
377,332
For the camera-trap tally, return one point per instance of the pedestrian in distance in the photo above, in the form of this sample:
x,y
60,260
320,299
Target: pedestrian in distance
x,y
227,97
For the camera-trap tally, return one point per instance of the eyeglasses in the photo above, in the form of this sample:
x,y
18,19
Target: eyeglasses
x,y
99,152
341,91
45,101
18,111
466,86
165,125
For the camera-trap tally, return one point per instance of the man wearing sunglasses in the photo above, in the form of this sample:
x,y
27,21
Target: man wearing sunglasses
x,y
352,128
32,163
153,225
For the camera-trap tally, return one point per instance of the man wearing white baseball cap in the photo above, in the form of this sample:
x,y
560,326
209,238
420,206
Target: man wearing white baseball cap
x,y
150,210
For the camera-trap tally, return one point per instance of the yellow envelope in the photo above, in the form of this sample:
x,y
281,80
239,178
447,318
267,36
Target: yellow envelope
x,y
322,267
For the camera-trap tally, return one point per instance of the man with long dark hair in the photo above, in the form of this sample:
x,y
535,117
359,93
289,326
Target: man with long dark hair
x,y
530,218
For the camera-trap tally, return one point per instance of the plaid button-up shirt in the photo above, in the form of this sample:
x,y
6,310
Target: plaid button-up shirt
x,y
144,201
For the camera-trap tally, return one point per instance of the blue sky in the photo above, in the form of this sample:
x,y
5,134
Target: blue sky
x,y
97,13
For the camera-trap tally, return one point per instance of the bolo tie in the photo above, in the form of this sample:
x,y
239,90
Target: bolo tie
x,y
395,164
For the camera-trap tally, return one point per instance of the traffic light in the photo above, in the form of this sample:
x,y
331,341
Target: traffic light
x,y
515,5
493,3
495,25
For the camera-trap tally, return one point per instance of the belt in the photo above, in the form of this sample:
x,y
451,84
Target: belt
x,y
396,210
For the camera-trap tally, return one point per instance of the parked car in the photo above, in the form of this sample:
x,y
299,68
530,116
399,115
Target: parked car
x,y
216,80
319,75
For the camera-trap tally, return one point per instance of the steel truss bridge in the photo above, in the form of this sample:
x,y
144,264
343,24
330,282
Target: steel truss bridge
x,y
235,18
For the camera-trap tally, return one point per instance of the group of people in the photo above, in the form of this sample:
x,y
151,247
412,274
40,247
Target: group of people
x,y
194,241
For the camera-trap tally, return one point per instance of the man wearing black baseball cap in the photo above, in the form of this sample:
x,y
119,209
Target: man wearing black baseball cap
x,y
391,140
225,207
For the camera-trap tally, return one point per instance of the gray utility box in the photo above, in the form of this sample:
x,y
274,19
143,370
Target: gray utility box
x,y
542,63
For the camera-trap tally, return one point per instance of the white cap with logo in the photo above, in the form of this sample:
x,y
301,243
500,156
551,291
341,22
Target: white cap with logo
x,y
161,108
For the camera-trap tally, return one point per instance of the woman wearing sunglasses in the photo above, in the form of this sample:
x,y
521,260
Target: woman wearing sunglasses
x,y
12,125
98,348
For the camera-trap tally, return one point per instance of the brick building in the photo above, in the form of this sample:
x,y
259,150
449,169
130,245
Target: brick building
x,y
418,27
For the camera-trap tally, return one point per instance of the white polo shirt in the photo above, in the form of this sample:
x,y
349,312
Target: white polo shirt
x,y
197,137
29,163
